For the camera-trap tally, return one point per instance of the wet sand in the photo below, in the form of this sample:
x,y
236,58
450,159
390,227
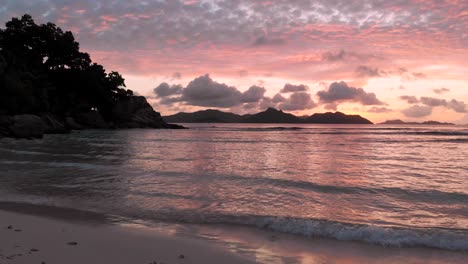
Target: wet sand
x,y
38,239
45,234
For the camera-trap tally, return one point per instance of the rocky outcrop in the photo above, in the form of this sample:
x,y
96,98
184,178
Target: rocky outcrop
x,y
52,125
71,124
136,112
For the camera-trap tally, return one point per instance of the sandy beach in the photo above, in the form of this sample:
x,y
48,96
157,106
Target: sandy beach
x,y
38,239
45,234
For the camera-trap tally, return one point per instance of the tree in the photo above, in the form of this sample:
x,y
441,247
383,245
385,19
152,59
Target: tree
x,y
43,70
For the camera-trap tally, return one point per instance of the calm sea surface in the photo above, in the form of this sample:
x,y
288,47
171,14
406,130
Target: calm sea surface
x,y
393,186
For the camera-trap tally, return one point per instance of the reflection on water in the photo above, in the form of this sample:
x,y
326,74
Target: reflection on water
x,y
309,180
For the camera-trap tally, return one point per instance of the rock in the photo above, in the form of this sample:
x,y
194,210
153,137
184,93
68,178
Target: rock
x,y
72,124
174,126
52,125
136,112
92,119
5,123
27,126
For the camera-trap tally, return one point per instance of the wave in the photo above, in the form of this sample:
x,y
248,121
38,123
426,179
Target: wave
x,y
347,131
422,195
394,141
274,128
388,236
256,129
409,133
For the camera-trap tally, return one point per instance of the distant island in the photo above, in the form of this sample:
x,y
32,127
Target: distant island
x,y
270,115
429,123
48,85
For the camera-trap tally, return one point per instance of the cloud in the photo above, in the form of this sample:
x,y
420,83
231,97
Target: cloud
x,y
339,92
164,89
278,98
333,107
342,55
379,110
253,94
455,105
366,71
410,99
170,100
249,106
429,101
298,101
177,33
363,71
204,91
441,90
417,111
419,75
334,56
267,102
265,41
290,88
176,76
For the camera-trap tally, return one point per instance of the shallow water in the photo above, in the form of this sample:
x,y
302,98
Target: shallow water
x,y
393,186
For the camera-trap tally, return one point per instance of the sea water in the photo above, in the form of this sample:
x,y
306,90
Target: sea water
x,y
392,186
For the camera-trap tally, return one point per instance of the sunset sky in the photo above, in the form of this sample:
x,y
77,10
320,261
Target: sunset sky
x,y
405,59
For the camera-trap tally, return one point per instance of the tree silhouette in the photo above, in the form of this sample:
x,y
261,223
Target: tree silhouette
x,y
43,70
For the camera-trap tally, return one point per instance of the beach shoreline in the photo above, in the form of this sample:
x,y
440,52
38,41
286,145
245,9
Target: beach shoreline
x,y
46,234
26,238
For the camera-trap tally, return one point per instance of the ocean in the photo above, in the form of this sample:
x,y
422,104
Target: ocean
x,y
390,186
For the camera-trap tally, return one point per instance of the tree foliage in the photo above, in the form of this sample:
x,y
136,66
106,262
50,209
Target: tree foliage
x,y
43,70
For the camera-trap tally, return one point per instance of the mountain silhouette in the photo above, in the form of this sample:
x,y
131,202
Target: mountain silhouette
x,y
270,115
401,122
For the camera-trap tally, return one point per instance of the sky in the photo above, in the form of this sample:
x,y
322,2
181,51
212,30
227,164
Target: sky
x,y
400,59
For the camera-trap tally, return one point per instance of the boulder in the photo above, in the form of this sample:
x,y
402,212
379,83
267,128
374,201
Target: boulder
x,y
72,124
27,126
174,126
53,125
5,123
136,112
